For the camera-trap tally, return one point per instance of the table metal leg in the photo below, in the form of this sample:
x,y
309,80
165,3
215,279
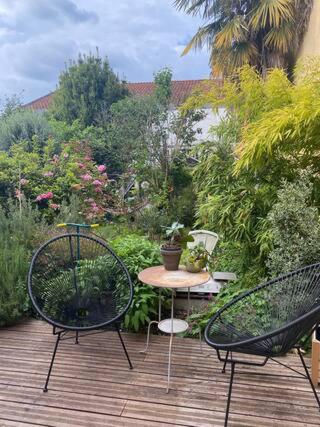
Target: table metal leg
x,y
152,322
169,363
188,312
148,336
171,339
159,309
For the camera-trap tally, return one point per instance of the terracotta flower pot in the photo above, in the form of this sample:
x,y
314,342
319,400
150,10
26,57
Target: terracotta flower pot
x,y
171,258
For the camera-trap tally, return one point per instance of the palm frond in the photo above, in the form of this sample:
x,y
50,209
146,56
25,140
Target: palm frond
x,y
272,13
204,36
224,61
235,30
206,8
281,39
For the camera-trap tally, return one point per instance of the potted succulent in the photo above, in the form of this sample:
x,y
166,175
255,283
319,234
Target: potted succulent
x,y
172,249
197,259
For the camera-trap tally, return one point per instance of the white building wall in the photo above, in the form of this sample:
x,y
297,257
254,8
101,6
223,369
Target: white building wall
x,y
211,119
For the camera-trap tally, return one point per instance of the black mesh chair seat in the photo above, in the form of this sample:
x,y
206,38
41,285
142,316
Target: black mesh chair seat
x,y
268,320
77,283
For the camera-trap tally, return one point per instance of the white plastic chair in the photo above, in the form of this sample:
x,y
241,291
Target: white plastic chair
x,y
208,238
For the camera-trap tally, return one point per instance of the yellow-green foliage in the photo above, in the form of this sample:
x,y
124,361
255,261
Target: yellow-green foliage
x,y
289,131
278,119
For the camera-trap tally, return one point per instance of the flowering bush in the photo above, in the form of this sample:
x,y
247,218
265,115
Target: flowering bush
x,y
49,178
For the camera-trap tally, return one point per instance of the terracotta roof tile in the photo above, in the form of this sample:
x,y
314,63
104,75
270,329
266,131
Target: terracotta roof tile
x,y
181,89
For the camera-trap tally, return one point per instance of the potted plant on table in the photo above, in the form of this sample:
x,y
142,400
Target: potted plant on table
x,y
172,249
197,259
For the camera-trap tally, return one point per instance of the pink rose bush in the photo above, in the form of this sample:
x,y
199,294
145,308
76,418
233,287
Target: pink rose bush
x,y
73,171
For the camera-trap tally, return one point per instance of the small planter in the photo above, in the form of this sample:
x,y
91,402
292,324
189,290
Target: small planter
x,y
195,267
171,258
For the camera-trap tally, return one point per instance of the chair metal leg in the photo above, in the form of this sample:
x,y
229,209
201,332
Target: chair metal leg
x,y
308,376
45,388
225,363
229,394
169,363
200,341
77,338
124,348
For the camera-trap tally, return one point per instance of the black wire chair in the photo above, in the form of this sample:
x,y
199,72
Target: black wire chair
x,y
268,321
77,283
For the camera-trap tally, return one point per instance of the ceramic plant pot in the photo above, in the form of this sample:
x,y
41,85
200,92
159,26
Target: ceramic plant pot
x,y
171,258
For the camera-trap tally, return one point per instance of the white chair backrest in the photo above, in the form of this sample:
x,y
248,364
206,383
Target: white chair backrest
x,y
208,238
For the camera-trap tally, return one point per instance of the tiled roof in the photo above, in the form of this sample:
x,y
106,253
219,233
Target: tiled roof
x,y
180,91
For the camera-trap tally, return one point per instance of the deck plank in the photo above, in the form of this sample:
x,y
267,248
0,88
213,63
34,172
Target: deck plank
x,y
91,384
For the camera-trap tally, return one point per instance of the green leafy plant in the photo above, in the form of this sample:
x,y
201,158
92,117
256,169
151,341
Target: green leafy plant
x,y
198,258
177,236
138,253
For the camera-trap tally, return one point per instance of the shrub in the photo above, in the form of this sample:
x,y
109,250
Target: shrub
x,y
24,125
138,253
20,231
47,179
295,228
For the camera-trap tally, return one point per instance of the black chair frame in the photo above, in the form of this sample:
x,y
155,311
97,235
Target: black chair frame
x,y
239,347
62,331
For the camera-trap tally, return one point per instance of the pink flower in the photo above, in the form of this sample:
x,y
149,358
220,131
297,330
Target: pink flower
x,y
86,177
44,196
54,206
48,174
97,183
49,195
23,181
87,158
101,168
98,190
81,165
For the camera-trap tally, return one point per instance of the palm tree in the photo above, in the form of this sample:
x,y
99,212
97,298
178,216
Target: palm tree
x,y
262,33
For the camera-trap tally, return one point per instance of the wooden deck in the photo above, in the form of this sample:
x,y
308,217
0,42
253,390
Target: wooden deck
x,y
92,386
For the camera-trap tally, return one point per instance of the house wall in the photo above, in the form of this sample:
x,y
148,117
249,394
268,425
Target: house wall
x,y
311,42
210,120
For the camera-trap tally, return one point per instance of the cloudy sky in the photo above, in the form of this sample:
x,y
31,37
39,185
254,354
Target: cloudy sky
x,y
37,37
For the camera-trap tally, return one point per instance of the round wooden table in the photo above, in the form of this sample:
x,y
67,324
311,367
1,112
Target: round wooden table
x,y
161,278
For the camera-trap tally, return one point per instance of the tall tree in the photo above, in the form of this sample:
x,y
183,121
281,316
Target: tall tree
x,y
87,88
262,33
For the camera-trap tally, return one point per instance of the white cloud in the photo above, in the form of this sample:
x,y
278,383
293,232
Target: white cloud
x,y
37,38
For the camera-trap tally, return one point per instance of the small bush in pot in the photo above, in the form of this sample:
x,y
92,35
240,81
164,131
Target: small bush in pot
x,y
197,259
172,249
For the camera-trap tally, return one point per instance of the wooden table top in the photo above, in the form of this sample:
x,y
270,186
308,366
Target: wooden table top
x,y
160,277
